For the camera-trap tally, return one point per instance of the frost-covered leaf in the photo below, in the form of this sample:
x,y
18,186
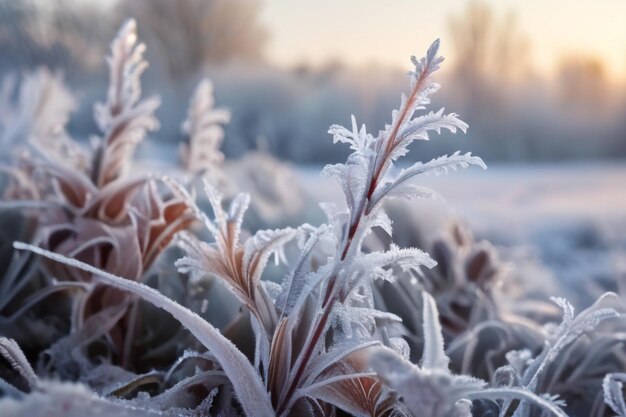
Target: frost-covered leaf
x,y
353,178
525,396
204,128
425,392
124,118
239,265
337,221
434,356
363,320
361,395
360,141
300,278
408,190
436,166
11,351
258,249
345,384
613,387
377,264
367,222
246,382
57,399
335,354
418,128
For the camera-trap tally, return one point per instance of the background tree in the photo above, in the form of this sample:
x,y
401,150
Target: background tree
x,y
190,34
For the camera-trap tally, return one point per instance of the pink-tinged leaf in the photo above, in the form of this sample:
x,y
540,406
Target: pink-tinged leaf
x,y
124,119
258,249
204,128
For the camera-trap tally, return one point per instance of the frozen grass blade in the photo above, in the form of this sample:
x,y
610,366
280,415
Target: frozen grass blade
x,y
247,385
516,393
14,355
434,356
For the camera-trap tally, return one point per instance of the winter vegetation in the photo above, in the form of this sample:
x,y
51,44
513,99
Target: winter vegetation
x,y
130,289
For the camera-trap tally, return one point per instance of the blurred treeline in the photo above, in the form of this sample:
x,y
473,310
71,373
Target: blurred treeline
x,y
514,113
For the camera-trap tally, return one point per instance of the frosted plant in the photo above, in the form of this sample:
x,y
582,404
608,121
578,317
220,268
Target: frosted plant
x,y
531,374
117,222
104,205
308,338
204,128
483,323
613,387
39,114
576,374
462,283
125,117
321,346
431,390
475,313
239,264
96,212
35,122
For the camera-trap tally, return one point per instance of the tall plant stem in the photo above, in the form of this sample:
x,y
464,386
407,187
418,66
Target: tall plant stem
x,y
330,296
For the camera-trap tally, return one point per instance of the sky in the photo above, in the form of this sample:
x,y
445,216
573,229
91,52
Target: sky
x,y
387,32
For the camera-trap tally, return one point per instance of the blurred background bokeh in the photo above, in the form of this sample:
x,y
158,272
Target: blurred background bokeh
x,y
542,85
535,80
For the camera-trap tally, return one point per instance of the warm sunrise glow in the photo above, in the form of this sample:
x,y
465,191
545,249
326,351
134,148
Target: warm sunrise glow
x,y
385,33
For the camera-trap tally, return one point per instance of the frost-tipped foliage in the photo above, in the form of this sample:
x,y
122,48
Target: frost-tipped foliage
x,y
91,209
533,374
433,391
124,118
204,128
38,116
323,341
239,265
241,374
613,387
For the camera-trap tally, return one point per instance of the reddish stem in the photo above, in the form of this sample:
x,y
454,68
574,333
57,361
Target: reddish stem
x,y
328,302
394,133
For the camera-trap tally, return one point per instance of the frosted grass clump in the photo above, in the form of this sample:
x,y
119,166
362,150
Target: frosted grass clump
x,y
316,342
